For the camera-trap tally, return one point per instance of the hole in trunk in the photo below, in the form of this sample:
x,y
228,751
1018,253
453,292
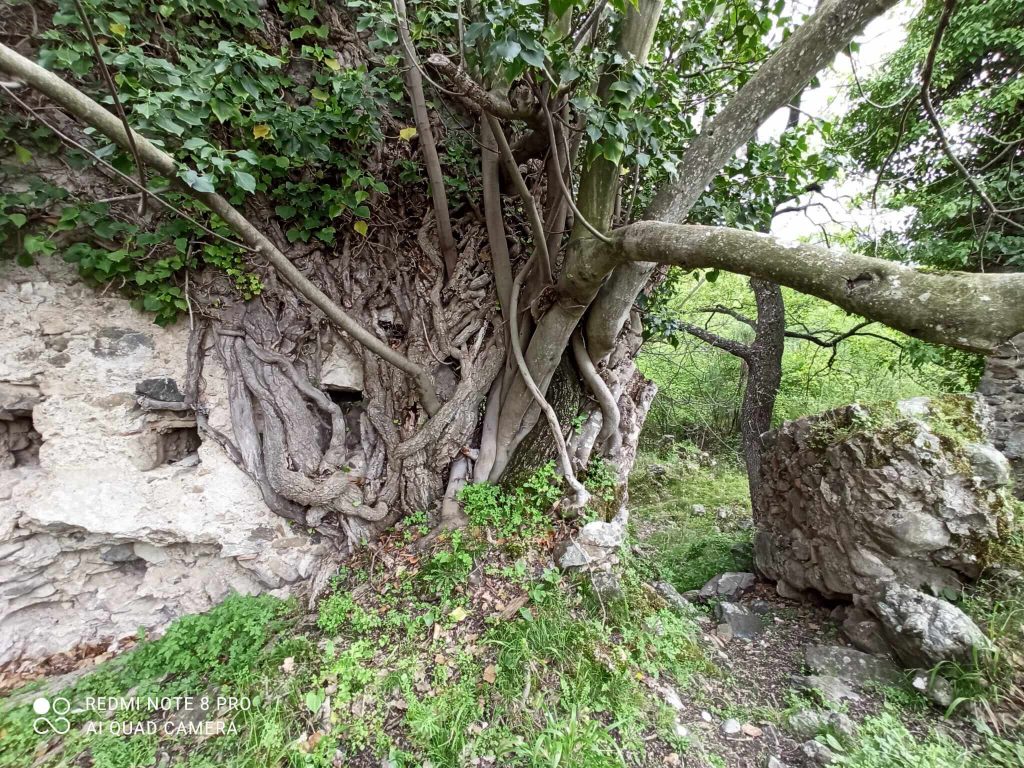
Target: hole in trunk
x,y
351,403
19,440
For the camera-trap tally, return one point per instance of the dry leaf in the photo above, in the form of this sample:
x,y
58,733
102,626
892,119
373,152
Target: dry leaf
x,y
490,673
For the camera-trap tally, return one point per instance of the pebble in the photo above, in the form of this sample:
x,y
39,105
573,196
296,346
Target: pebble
x,y
731,727
705,716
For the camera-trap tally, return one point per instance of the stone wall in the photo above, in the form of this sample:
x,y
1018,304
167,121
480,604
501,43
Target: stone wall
x,y
113,517
857,497
1002,386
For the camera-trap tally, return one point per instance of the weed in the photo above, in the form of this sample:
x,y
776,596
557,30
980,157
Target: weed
x,y
447,568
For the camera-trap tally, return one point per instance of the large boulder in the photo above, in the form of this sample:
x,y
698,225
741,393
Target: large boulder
x,y
861,496
924,631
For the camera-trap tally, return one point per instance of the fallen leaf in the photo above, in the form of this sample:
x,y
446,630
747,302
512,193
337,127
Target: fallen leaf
x,y
751,730
458,614
288,665
406,134
490,673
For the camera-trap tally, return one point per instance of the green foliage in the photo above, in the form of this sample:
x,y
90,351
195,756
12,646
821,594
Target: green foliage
x,y
885,742
211,94
521,512
692,547
701,388
572,741
976,90
448,568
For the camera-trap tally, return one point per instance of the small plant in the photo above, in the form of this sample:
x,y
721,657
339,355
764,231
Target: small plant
x,y
600,480
572,741
523,512
448,569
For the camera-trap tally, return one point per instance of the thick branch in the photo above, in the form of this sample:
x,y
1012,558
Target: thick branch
x,y
91,113
486,101
975,312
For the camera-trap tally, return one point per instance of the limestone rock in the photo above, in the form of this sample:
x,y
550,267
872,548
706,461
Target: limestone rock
x,y
925,630
728,585
742,623
805,724
1002,386
817,753
858,497
850,665
830,688
676,602
108,529
864,631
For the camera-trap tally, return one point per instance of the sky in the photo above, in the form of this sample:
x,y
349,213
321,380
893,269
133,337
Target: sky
x,y
882,36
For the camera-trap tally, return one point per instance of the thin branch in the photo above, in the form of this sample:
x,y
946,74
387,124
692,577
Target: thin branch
x,y
561,180
736,348
582,496
926,100
112,88
123,176
536,224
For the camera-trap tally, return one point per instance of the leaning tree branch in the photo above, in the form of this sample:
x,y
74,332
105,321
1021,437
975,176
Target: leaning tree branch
x,y
974,312
94,115
435,176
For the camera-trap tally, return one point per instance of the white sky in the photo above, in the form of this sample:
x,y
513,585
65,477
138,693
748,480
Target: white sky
x,y
882,36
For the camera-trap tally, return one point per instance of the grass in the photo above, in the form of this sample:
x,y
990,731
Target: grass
x,y
404,665
692,548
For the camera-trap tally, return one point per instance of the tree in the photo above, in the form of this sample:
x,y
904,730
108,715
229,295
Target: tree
x,y
463,353
940,130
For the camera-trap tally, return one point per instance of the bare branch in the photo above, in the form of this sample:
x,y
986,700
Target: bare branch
x,y
486,101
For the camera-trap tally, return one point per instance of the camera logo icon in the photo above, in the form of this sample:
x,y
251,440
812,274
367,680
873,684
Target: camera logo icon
x,y
51,715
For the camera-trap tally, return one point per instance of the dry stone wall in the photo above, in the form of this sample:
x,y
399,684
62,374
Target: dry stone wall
x,y
113,517
1002,386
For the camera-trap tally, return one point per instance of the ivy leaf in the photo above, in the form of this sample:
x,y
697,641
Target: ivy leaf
x,y
245,180
17,219
314,700
459,614
559,7
406,134
507,50
23,155
332,64
118,30
361,227
197,182
261,131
